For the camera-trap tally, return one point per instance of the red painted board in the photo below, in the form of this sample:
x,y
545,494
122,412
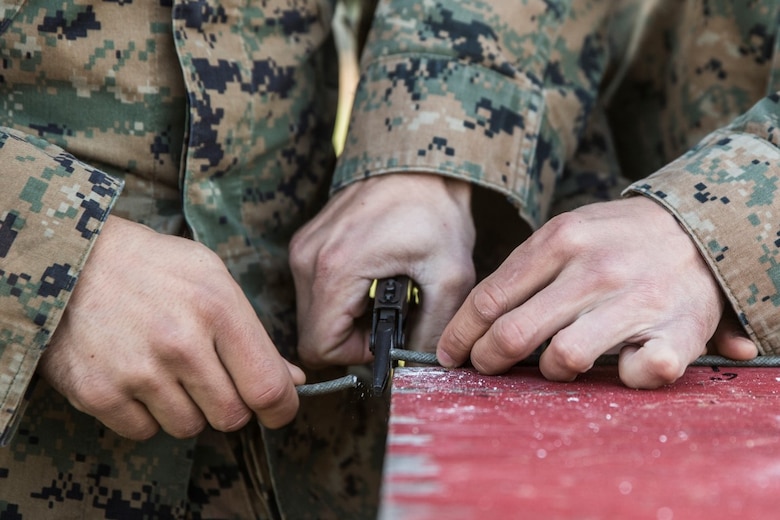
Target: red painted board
x,y
466,446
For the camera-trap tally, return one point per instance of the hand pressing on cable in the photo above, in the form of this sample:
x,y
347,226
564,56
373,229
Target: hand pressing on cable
x,y
617,274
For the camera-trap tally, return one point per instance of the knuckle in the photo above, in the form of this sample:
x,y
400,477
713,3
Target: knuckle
x,y
172,342
208,269
95,398
510,339
664,367
96,404
563,232
458,279
569,354
271,394
299,252
175,349
455,339
604,272
490,301
298,264
330,260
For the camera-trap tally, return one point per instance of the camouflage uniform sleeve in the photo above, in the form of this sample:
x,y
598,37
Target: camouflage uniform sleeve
x,y
593,174
494,92
53,207
724,193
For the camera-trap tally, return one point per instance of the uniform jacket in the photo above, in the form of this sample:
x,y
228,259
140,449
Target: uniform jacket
x,y
211,119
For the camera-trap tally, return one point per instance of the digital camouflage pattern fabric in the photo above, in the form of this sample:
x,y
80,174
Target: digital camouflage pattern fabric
x,y
704,88
216,119
213,120
556,104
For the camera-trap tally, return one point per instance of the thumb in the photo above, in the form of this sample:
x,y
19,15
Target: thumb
x,y
329,330
731,340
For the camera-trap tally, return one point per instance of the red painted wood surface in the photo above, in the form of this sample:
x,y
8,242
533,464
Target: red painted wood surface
x,y
466,446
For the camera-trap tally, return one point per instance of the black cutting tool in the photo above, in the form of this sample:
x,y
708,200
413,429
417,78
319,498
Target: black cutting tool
x,y
392,299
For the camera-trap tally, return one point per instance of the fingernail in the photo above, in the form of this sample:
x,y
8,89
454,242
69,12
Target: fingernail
x,y
445,360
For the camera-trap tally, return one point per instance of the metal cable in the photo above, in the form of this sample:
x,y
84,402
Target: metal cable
x,y
326,387
701,361
719,361
429,358
410,356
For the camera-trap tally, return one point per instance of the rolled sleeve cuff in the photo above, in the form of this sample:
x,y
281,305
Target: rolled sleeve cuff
x,y
53,209
724,193
447,117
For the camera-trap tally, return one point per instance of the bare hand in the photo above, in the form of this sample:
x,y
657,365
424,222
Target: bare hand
x,y
617,274
158,334
398,224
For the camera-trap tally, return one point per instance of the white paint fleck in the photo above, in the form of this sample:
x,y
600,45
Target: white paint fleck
x,y
411,440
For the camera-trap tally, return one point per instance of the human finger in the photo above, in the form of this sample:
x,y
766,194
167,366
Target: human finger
x,y
209,389
262,378
173,409
185,382
92,393
532,266
617,320
329,331
524,272
439,300
661,360
519,332
574,349
730,339
126,417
